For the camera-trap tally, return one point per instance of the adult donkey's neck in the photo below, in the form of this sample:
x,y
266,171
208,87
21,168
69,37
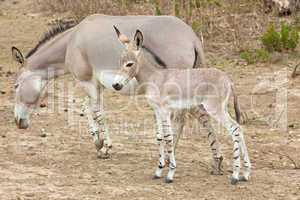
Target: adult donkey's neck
x,y
48,57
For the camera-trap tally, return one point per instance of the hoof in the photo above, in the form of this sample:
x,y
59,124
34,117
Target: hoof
x,y
233,180
102,155
167,180
243,178
155,177
217,168
99,144
217,172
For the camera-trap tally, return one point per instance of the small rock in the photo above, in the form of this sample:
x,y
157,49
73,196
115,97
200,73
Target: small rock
x,y
43,105
81,115
270,105
66,110
43,135
3,136
9,73
291,125
3,92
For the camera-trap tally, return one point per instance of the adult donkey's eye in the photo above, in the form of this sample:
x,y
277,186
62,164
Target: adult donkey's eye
x,y
129,64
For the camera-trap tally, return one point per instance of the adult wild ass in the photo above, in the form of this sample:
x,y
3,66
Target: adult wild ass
x,y
93,62
207,89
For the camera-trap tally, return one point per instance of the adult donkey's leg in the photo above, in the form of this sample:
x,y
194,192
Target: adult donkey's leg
x,y
96,118
83,73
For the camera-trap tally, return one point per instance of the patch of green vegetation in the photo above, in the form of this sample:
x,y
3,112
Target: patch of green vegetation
x,y
255,56
285,39
196,26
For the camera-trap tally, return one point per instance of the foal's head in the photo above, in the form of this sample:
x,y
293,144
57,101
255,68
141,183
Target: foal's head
x,y
28,88
129,66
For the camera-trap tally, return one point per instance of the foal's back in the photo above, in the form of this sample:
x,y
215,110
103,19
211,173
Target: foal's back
x,y
197,82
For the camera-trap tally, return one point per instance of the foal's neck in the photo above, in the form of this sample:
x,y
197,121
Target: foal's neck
x,y
148,67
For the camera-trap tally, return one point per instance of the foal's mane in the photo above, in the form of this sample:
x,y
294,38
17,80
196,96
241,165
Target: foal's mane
x,y
59,27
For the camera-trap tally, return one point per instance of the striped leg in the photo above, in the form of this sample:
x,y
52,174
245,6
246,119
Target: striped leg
x,y
234,131
214,145
168,139
99,118
246,159
94,129
160,142
240,148
219,112
178,124
96,119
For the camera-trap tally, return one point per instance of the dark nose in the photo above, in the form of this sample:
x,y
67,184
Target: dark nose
x,y
117,86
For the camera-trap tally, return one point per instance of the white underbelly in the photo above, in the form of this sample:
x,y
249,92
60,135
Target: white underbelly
x,y
106,78
182,104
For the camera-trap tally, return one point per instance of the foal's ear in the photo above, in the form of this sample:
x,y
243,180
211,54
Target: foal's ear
x,y
17,55
122,38
138,39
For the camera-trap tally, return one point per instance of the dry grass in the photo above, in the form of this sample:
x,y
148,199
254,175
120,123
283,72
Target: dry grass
x,y
228,26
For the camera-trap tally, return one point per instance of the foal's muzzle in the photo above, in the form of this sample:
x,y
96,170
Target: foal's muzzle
x,y
117,86
22,123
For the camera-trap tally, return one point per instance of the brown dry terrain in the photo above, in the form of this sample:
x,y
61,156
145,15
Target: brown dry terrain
x,y
55,159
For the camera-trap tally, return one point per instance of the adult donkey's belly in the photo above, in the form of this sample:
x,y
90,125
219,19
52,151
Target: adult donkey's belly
x,y
173,41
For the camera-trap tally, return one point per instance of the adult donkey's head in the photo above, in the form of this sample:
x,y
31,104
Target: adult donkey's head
x,y
44,62
28,88
129,66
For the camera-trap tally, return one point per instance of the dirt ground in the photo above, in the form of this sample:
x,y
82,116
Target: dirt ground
x,y
56,159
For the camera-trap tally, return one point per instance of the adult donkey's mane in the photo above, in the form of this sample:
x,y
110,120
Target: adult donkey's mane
x,y
157,59
59,27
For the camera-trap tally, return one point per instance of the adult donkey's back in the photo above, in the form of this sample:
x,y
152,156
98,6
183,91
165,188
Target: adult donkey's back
x,y
93,61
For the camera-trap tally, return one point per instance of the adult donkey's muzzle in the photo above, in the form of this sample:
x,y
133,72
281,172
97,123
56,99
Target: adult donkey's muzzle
x,y
117,86
22,123
21,116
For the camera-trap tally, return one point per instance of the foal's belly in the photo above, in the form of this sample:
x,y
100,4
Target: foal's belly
x,y
182,104
107,77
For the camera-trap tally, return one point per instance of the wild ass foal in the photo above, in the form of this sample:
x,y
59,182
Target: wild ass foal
x,y
167,90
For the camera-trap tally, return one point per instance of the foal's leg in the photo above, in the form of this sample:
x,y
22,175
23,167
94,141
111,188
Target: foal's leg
x,y
238,133
217,158
220,113
160,142
178,121
168,139
96,119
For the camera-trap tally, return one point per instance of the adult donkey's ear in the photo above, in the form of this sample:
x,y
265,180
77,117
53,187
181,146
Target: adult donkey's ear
x,y
138,39
122,38
17,55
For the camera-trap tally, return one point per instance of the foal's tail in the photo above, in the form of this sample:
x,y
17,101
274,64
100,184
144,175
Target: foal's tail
x,y
236,105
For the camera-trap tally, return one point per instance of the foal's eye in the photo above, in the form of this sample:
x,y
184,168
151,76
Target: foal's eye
x,y
129,64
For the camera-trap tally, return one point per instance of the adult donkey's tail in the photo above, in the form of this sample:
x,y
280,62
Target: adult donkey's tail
x,y
236,105
199,53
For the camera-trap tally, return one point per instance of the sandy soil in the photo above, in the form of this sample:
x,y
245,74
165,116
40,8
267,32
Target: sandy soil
x,y
56,159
